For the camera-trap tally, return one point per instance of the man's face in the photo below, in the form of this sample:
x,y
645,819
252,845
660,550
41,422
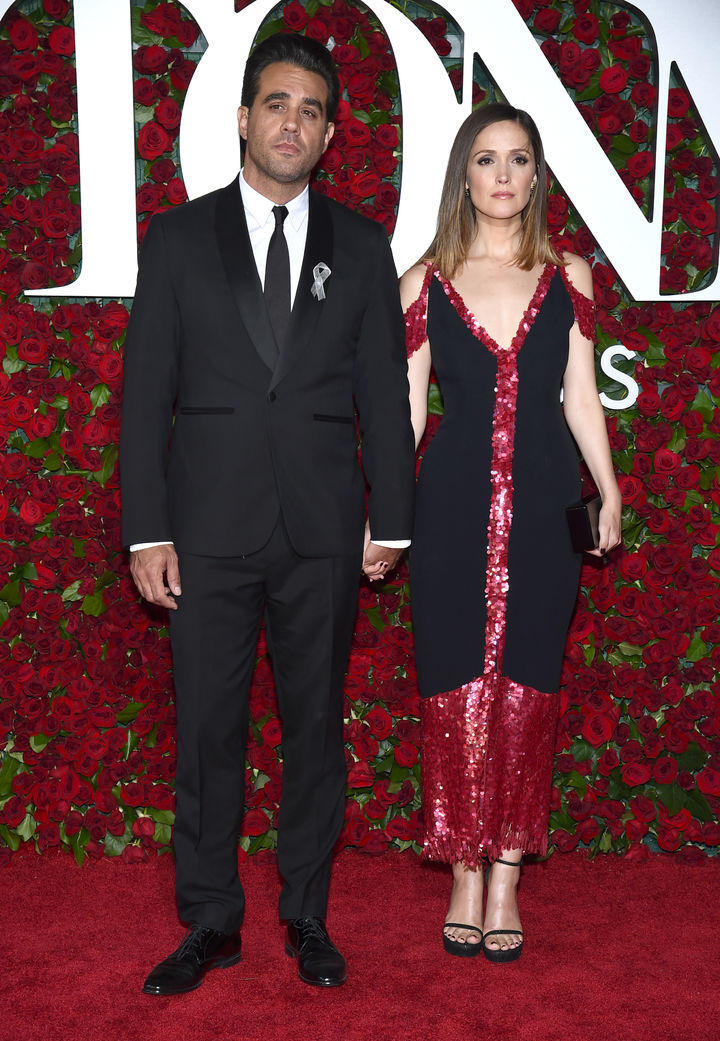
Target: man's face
x,y
285,130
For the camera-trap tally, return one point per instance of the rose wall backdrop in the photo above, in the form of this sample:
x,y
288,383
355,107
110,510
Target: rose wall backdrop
x,y
86,709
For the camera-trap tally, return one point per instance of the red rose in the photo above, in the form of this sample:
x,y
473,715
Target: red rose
x,y
386,136
379,721
585,28
317,30
701,215
23,35
62,40
635,774
547,21
56,8
152,59
406,754
152,141
168,113
143,827
364,185
708,781
614,79
640,164
597,729
678,103
361,89
360,776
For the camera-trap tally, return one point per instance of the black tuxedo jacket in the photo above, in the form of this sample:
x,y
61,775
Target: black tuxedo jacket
x,y
215,442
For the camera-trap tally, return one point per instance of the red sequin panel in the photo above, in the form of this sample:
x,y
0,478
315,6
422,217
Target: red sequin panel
x,y
486,772
416,317
583,307
487,759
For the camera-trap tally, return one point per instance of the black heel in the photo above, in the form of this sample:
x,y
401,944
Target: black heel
x,y
496,954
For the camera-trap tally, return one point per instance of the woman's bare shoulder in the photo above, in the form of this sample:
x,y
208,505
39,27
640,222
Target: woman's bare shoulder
x,y
579,272
411,283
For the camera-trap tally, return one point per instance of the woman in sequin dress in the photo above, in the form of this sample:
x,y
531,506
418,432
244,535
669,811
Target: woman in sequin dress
x,y
505,322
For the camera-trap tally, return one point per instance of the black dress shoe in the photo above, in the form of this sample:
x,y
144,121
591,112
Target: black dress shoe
x,y
319,960
202,949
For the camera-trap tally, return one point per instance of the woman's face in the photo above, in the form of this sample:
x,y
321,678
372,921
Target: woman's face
x,y
501,170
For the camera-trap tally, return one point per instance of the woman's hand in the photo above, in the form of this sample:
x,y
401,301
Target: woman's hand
x,y
609,525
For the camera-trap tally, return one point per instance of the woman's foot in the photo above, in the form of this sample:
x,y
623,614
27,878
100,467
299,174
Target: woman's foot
x,y
464,920
503,931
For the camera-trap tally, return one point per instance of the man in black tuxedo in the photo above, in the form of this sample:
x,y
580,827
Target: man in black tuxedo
x,y
263,314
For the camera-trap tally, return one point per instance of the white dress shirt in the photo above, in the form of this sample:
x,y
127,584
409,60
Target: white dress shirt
x,y
261,224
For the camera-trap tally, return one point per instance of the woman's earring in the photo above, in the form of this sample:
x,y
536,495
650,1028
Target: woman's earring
x,y
533,186
467,191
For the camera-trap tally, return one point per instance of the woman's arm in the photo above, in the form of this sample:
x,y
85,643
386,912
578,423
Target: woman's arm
x,y
586,419
419,362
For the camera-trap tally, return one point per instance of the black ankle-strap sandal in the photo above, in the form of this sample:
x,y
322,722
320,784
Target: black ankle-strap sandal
x,y
497,954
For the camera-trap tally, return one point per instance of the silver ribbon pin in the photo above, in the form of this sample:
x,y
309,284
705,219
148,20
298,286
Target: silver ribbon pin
x,y
320,273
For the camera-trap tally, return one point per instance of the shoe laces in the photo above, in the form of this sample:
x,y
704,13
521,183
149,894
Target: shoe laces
x,y
311,929
194,940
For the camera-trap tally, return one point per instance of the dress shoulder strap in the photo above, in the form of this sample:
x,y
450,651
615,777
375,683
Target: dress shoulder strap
x,y
583,307
416,316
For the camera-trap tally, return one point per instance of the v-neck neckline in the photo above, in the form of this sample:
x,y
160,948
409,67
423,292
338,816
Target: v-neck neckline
x,y
526,321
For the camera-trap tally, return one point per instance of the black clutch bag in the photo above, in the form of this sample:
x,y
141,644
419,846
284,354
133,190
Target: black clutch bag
x,y
583,519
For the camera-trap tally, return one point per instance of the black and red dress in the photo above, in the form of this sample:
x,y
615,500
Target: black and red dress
x,y
493,574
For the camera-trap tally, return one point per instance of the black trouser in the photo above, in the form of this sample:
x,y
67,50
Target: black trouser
x,y
309,606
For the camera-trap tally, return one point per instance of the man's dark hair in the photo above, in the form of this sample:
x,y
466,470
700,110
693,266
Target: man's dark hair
x,y
292,49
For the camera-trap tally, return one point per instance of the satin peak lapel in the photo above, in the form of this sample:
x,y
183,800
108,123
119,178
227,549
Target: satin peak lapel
x,y
239,262
307,308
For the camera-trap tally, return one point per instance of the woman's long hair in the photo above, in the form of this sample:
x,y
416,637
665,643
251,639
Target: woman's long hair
x,y
456,217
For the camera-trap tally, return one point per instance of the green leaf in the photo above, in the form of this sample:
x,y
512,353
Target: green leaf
x,y
12,840
11,594
106,579
93,605
672,797
582,750
692,759
376,619
127,714
696,650
27,828
99,395
70,594
11,366
161,816
109,456
77,843
696,802
11,765
36,449
704,404
115,844
435,402
276,26
163,834
592,90
39,741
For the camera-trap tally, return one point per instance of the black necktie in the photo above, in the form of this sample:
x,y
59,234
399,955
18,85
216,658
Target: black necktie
x,y
277,278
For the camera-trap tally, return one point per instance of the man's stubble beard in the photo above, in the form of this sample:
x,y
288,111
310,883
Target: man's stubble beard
x,y
291,171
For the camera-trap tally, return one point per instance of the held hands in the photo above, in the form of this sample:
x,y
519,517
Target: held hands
x,y
156,574
378,561
609,526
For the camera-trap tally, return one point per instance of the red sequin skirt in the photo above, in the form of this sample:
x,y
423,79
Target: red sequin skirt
x,y
487,759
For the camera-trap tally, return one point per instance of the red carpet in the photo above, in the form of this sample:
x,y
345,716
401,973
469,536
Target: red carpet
x,y
614,951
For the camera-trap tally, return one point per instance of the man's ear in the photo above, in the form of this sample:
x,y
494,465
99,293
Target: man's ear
x,y
329,131
243,114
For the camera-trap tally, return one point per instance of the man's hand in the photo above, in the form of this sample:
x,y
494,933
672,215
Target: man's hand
x,y
378,561
156,574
